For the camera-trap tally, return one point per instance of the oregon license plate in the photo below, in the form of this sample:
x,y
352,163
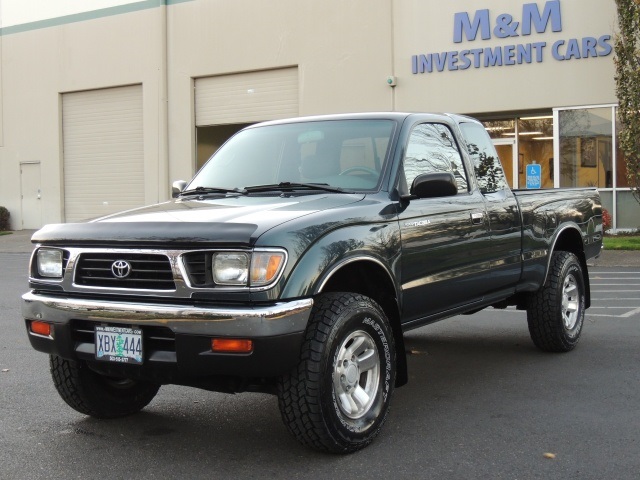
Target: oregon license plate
x,y
118,344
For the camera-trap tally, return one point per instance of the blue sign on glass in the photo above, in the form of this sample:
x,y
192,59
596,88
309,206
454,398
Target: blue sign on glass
x,y
534,176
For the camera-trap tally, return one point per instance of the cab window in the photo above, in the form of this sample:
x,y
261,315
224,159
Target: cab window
x,y
432,149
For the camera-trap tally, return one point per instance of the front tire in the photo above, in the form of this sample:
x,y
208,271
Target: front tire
x,y
555,313
337,399
97,395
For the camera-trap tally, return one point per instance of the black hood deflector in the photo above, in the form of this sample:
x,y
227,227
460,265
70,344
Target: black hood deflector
x,y
193,234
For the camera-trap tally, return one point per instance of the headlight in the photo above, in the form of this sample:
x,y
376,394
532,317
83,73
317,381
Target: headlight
x,y
230,268
244,269
49,263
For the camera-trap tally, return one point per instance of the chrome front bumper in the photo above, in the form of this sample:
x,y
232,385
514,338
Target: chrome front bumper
x,y
251,322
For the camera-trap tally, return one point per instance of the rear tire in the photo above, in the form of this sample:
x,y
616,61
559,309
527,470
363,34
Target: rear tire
x,y
337,399
97,395
555,313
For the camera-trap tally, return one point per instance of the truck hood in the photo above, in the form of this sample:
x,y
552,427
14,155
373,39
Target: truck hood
x,y
238,221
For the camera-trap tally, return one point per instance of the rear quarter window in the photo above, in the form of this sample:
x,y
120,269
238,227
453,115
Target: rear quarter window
x,y
486,164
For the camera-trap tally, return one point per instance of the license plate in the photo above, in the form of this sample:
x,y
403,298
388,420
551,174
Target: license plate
x,y
118,344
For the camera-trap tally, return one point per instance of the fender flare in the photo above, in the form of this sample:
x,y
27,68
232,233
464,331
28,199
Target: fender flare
x,y
581,258
324,279
552,246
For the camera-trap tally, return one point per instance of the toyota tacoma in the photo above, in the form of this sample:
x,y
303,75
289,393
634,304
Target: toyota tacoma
x,y
294,261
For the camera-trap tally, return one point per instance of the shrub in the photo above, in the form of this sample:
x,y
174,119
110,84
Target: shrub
x,y
606,220
4,219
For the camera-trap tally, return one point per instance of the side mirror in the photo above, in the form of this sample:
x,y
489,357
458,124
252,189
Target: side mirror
x,y
432,185
177,187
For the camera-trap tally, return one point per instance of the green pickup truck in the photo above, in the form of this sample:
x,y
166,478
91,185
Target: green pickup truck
x,y
294,261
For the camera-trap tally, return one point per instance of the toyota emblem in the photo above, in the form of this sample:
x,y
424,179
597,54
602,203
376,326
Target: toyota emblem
x,y
121,269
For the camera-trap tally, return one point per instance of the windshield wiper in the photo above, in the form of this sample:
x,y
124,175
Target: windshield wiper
x,y
295,186
207,190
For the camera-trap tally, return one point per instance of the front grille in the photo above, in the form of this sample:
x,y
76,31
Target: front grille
x,y
198,266
147,271
65,259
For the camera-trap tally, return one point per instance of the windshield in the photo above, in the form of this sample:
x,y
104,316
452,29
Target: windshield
x,y
348,154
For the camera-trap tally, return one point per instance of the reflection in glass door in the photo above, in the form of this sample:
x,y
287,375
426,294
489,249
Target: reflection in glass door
x,y
586,147
506,149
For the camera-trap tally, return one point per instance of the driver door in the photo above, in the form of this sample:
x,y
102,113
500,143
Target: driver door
x,y
444,240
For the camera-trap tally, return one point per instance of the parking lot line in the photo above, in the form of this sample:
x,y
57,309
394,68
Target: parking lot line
x,y
614,278
613,308
631,313
611,298
616,291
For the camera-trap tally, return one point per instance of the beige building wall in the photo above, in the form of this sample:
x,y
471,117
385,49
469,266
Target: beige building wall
x,y
343,51
39,65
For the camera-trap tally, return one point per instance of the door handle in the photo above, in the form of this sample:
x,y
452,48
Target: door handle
x,y
477,218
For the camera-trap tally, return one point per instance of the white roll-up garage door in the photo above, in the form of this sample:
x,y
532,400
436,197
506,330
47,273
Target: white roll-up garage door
x,y
246,97
103,152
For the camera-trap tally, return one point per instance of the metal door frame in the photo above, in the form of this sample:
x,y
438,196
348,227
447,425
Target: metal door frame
x,y
514,160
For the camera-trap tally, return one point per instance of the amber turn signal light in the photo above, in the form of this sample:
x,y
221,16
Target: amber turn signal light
x,y
231,345
41,328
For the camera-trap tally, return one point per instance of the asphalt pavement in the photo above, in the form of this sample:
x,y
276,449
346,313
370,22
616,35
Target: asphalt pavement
x,y
18,241
481,403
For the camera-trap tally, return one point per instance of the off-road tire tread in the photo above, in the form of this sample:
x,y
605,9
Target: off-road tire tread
x,y
298,391
545,328
68,378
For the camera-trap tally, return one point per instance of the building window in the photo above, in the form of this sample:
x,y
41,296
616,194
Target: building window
x,y
531,136
535,146
500,129
585,153
590,157
586,147
627,212
502,132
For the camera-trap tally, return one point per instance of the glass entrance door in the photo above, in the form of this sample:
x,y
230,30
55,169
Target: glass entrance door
x,y
506,149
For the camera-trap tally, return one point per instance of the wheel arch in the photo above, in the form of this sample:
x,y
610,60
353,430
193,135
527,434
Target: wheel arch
x,y
569,239
370,277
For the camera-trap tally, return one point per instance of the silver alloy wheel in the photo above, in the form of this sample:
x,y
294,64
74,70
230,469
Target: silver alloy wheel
x,y
356,375
570,302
